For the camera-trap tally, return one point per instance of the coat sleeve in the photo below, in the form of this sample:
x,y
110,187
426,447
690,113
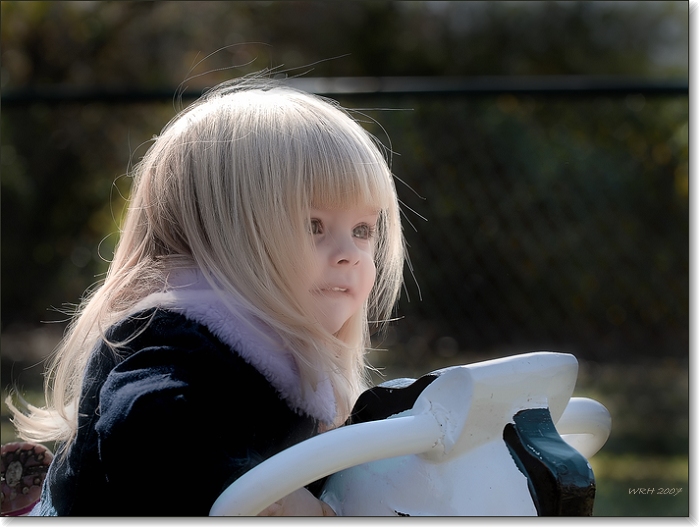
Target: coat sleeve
x,y
183,417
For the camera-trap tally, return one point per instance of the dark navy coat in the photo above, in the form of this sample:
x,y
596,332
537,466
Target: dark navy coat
x,y
167,424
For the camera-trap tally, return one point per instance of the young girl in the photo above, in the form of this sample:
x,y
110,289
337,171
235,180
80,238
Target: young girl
x,y
262,236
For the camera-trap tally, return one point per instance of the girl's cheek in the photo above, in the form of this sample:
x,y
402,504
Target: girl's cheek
x,y
372,278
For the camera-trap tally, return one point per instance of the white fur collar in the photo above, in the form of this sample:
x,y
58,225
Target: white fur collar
x,y
190,295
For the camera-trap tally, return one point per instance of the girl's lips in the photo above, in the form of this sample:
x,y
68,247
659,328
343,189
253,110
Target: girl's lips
x,y
333,289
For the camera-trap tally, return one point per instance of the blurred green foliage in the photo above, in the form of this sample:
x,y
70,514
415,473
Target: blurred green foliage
x,y
541,222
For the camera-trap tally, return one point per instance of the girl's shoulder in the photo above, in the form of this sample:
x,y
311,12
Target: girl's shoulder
x,y
156,344
193,314
159,346
206,343
162,340
159,327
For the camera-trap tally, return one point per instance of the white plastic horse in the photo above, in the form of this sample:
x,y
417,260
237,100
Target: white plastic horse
x,y
475,439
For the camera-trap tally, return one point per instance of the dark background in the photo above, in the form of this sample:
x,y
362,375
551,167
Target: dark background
x,y
538,218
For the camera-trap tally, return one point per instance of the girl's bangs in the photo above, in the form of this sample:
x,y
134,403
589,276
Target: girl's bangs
x,y
342,178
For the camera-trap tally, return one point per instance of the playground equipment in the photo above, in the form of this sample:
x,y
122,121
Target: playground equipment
x,y
499,437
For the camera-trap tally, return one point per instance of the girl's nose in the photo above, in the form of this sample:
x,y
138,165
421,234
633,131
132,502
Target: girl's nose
x,y
344,252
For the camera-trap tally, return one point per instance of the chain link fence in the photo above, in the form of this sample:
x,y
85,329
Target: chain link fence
x,y
534,221
547,224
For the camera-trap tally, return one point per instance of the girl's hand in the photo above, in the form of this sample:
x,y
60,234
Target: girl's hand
x,y
300,503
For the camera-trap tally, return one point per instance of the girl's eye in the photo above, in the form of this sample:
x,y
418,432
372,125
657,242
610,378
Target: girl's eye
x,y
315,227
363,231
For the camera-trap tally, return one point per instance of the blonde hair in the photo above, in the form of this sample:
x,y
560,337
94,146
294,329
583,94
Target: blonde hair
x,y
227,188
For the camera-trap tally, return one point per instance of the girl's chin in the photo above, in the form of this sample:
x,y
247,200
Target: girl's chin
x,y
333,327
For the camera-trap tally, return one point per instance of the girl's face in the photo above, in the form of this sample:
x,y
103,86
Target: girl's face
x,y
344,273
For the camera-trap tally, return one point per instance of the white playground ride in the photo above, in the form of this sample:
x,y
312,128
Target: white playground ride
x,y
476,440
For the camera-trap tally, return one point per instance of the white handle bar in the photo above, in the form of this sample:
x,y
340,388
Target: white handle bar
x,y
317,457
585,425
